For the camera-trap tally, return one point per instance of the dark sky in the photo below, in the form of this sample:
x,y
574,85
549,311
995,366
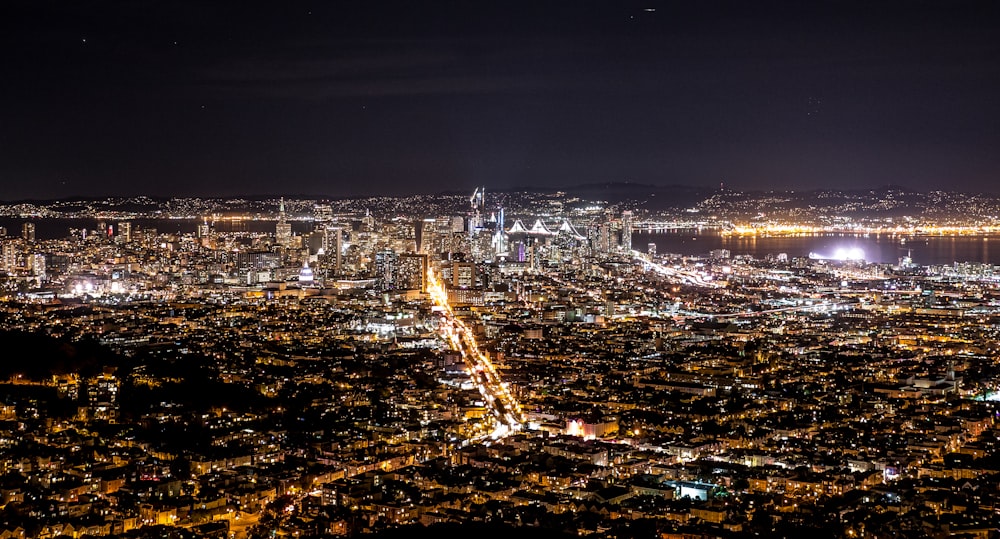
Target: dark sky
x,y
342,98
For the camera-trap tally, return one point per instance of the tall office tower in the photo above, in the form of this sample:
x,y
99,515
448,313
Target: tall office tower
x,y
368,222
335,246
283,230
323,213
37,262
257,261
463,274
481,246
125,231
411,273
627,231
500,247
386,262
520,252
316,241
477,218
204,229
440,233
601,237
418,236
28,232
651,249
427,239
11,253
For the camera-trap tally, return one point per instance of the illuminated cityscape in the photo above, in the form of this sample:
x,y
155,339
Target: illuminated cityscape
x,y
604,269
336,367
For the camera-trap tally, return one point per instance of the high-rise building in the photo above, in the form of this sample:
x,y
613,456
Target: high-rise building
x,y
386,262
412,272
426,232
601,236
335,247
477,203
28,232
627,231
37,262
257,261
463,274
368,222
283,230
10,253
323,213
316,241
500,247
125,231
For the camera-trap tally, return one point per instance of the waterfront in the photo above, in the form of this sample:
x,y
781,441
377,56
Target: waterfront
x,y
930,250
48,229
353,390
880,248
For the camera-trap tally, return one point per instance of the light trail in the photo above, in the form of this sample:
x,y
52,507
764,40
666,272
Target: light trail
x,y
819,306
693,278
459,336
684,276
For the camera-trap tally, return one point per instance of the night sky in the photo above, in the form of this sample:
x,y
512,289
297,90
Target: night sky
x,y
370,97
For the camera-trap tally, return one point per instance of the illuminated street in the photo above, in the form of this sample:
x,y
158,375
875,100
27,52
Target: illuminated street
x,y
658,270
676,275
495,392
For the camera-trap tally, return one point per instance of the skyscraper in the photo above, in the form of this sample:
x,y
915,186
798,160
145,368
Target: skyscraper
x,y
500,247
335,246
28,232
412,272
125,231
9,253
601,236
627,231
478,208
368,222
283,230
37,262
386,262
323,213
463,274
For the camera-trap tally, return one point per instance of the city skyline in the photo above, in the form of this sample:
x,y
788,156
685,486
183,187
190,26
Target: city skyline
x,y
747,365
186,99
655,269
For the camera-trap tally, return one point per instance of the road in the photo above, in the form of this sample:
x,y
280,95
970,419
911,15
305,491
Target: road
x,y
495,391
678,275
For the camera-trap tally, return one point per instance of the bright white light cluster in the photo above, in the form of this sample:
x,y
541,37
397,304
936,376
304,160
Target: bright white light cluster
x,y
849,253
